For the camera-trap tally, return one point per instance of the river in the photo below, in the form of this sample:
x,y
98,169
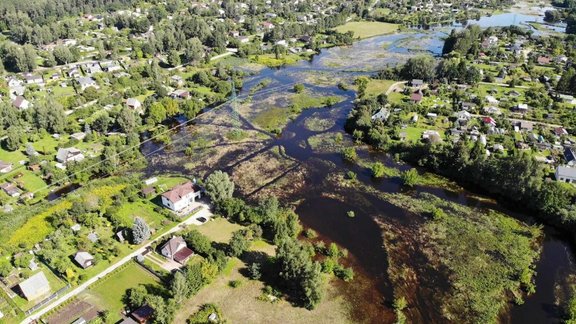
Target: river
x,y
371,292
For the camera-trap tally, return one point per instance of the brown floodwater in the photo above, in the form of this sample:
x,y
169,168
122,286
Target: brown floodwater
x,y
371,292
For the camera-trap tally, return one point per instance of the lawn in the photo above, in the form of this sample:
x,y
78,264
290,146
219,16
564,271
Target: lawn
x,y
366,29
219,229
31,181
12,157
144,209
107,293
166,183
396,97
376,87
47,145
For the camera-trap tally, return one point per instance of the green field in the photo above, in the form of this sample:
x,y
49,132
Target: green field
x,y
108,292
219,229
144,209
367,29
376,87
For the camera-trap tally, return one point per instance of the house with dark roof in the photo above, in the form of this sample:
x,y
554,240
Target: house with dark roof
x,y
35,287
143,314
177,250
570,156
416,97
181,196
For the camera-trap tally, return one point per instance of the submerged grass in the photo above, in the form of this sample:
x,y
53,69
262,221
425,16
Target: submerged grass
x,y
488,257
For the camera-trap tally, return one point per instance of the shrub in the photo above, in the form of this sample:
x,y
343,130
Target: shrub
x,y
410,177
351,214
234,283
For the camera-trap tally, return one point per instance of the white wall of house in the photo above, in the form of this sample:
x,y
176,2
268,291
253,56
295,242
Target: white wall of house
x,y
182,203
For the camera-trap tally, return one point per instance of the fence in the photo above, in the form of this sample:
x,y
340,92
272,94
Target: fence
x,y
47,300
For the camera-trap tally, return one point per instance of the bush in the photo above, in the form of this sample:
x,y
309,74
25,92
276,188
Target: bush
x,y
351,214
410,177
378,170
349,154
234,283
310,233
350,175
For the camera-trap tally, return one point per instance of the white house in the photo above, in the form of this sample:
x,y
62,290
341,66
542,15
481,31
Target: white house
x,y
181,196
70,154
134,104
177,250
566,174
86,82
84,259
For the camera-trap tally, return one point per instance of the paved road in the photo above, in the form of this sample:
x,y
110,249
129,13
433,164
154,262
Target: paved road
x,y
205,212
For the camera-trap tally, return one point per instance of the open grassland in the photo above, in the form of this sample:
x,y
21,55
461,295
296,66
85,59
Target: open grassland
x,y
367,29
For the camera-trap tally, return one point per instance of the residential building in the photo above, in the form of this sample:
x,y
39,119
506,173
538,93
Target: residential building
x,y
181,196
21,103
566,174
381,115
5,167
11,189
35,287
570,156
135,104
177,250
84,259
86,82
70,154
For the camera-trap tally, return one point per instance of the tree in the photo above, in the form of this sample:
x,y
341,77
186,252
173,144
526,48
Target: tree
x,y
5,267
179,287
63,55
571,24
219,186
14,137
128,120
254,271
193,51
171,106
239,243
362,83
140,231
198,242
409,177
156,114
419,67
174,58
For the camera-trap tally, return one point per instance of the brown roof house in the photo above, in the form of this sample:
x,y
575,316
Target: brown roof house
x,y
177,250
181,196
35,287
143,314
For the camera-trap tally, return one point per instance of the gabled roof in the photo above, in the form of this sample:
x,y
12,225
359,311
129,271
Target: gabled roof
x,y
35,286
82,257
180,191
174,245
